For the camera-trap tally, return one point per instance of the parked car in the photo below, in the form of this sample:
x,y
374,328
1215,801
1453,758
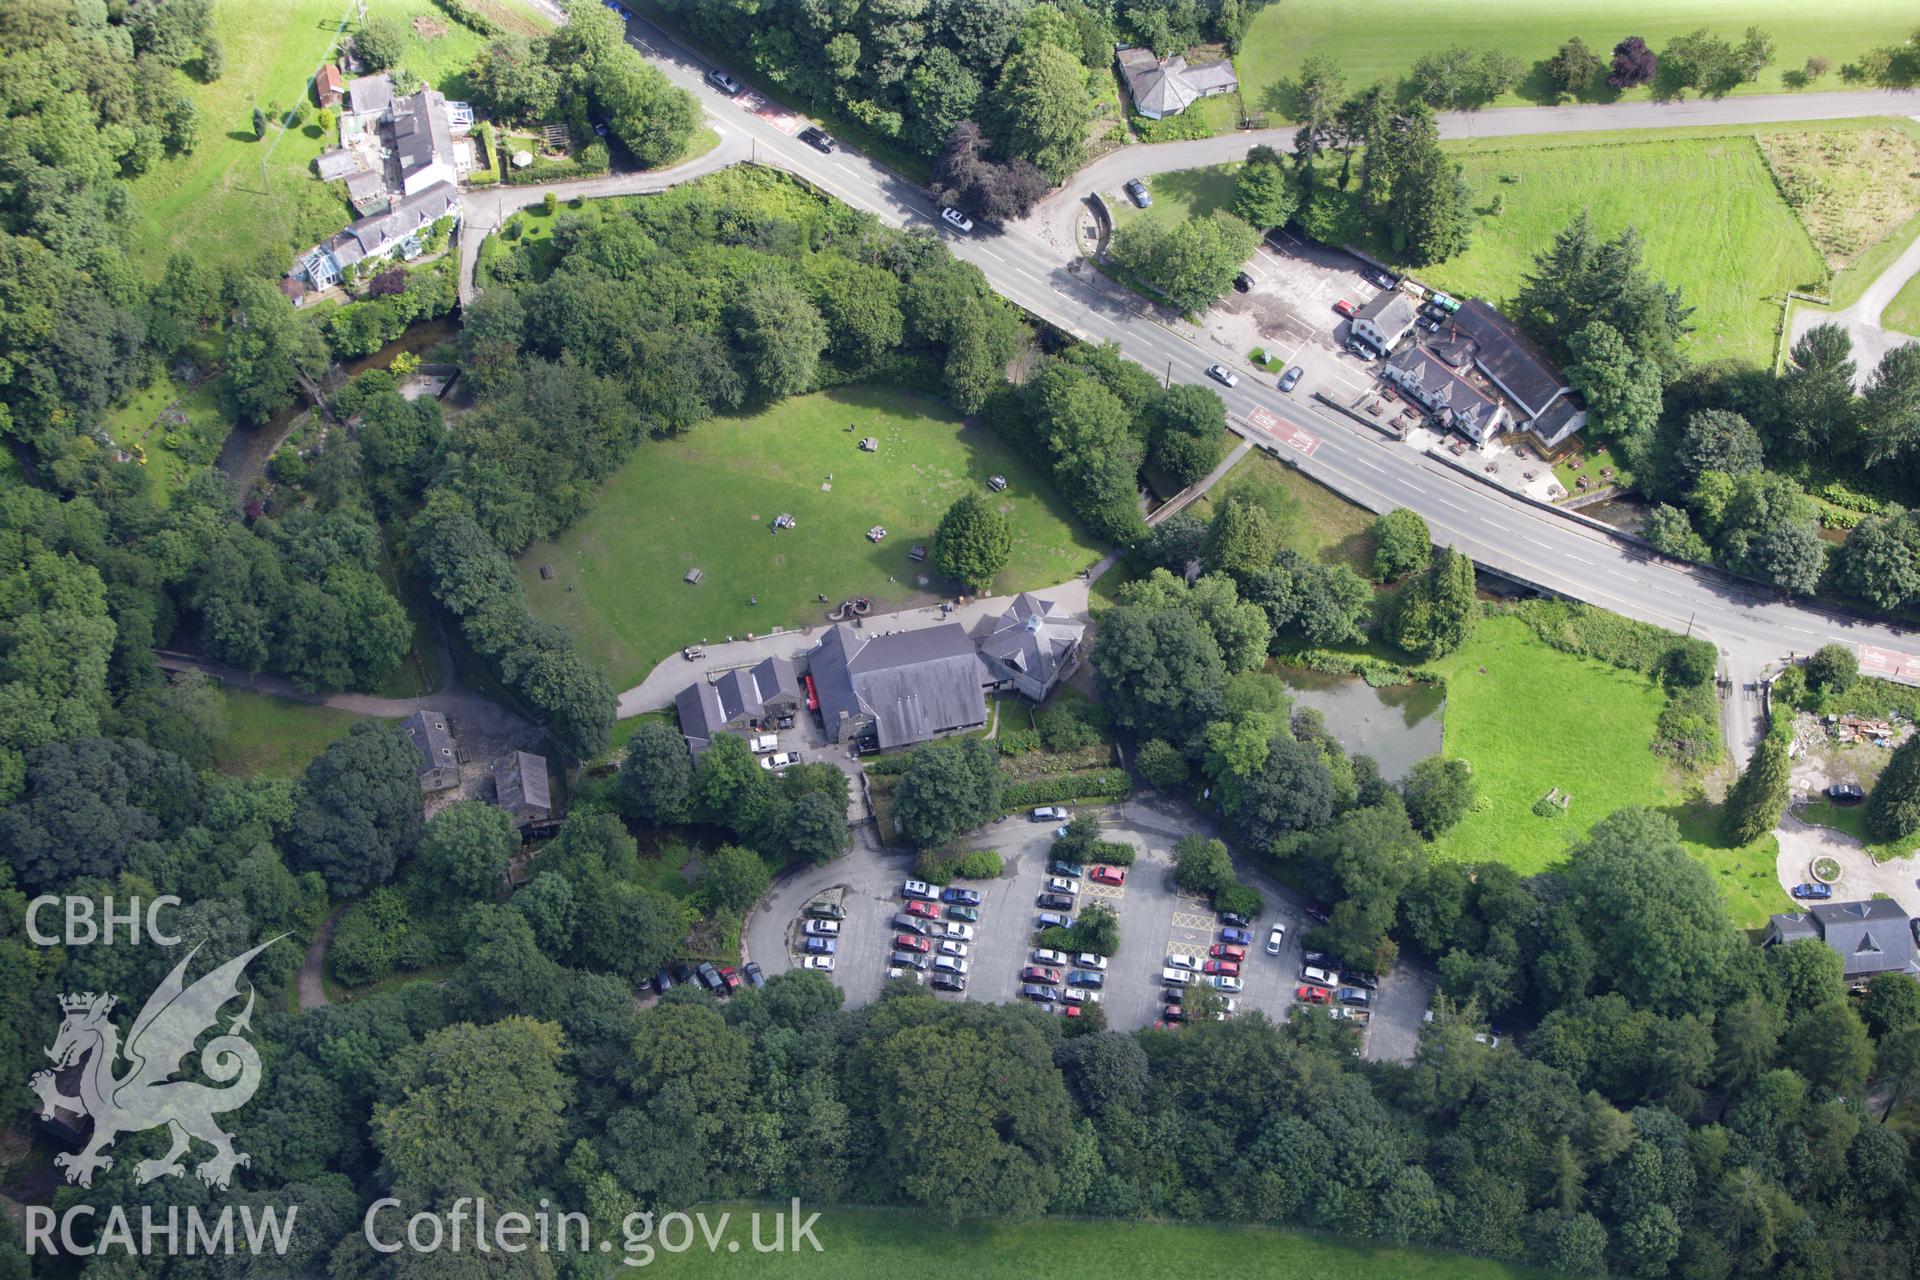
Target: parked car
x,y
969,914
956,219
912,924
826,910
1040,973
1225,982
1173,1013
1229,967
962,897
1088,960
925,910
756,978
1053,920
1227,951
1320,977
779,760
1313,995
1060,884
1080,995
1317,913
1179,960
961,931
1061,867
817,138
1049,813
1345,308
1236,934
1086,978
821,946
1846,792
764,743
952,964
1175,977
731,978
1103,874
710,977
1137,192
1290,379
1366,980
1813,890
907,960
821,928
919,889
1428,324
944,981
1355,996
1046,955
1235,919
1362,352
724,83
911,942
663,982
682,972
1221,374
1045,995
824,963
1320,958
1242,283
1276,938
949,947
1056,902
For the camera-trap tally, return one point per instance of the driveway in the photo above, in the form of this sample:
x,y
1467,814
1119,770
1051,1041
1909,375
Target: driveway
x,y
1860,876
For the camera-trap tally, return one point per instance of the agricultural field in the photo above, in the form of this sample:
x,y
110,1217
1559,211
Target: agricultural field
x,y
1313,519
275,736
1284,35
1853,184
902,1242
708,499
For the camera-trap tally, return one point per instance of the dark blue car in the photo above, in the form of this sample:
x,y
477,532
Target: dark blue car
x,y
1818,891
964,897
1240,936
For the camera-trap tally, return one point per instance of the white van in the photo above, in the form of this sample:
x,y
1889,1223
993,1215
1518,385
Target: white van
x,y
764,743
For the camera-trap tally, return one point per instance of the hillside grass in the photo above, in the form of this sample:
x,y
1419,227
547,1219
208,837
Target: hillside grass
x,y
708,499
266,734
1385,46
1313,519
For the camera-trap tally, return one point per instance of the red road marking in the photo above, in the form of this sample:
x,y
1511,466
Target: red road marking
x,y
772,112
1889,662
1286,433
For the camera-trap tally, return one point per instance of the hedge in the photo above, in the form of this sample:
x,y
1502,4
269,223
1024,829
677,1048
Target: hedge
x,y
1097,784
940,868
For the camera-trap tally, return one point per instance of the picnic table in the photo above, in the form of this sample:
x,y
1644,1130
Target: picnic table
x,y
876,533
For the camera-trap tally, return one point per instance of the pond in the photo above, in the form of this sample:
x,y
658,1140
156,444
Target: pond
x,y
1398,725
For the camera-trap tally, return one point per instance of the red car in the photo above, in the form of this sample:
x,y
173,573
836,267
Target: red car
x,y
1344,307
907,942
1072,1011
1227,951
926,909
1044,976
1225,968
1107,875
1313,995
733,979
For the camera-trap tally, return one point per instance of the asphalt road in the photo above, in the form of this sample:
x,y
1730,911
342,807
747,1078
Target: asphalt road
x,y
1500,532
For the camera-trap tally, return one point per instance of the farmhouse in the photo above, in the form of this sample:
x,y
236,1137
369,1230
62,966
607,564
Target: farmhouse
x,y
422,141
1870,937
520,787
741,699
1384,321
897,689
396,233
1162,87
1457,403
1031,647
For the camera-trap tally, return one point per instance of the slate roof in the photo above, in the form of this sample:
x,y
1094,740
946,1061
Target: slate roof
x,y
1509,358
336,163
909,685
1030,643
1873,936
408,216
421,134
370,95
520,783
1562,418
1165,88
366,191
1441,389
439,764
1390,310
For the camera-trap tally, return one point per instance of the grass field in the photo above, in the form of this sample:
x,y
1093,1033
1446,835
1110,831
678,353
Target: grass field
x,y
879,1242
1314,520
1180,196
707,501
1529,718
271,735
1852,182
273,48
1903,313
1283,35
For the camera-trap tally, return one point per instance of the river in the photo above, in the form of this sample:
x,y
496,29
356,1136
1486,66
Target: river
x,y
1398,725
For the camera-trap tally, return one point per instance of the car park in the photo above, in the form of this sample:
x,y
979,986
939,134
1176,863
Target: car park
x,y
1345,308
952,948
1060,884
910,942
1813,890
821,928
956,219
961,897
764,743
1236,935
724,83
912,924
907,960
1040,973
1088,960
824,963
1229,967
823,910
961,931
1061,867
1049,813
1223,375
1235,919
1320,977
1313,995
1086,978
919,889
1045,955
1225,982
1177,960
779,760
817,138
1056,902
756,977
1034,991
1359,997
952,964
1276,938
925,910
1290,379
1054,920
970,915
1137,192
1227,951
950,981
1103,874
821,946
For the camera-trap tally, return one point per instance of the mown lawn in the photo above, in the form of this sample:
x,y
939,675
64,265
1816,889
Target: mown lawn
x,y
1529,718
1314,520
1284,35
1180,196
271,735
708,500
1903,313
880,1242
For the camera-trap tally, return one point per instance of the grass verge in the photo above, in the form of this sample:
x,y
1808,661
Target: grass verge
x,y
1313,519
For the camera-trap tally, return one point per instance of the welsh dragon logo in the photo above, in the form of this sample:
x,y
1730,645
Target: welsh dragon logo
x,y
146,1096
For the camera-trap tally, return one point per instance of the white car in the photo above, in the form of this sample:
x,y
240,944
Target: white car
x,y
1088,960
1057,959
1080,995
1178,961
964,932
956,219
1175,977
1229,1005
1060,884
1320,977
1221,374
818,962
919,889
821,928
951,948
951,964
1221,982
1276,937
1049,813
764,743
779,760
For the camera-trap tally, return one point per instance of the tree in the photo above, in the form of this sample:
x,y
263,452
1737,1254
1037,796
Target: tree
x,y
656,776
1817,407
965,178
1429,209
1671,534
1573,68
1159,672
1293,791
1438,793
1893,807
1201,866
1322,604
259,124
1241,540
1402,544
1186,428
1828,1045
465,849
1436,611
1897,1067
89,806
780,336
1832,668
652,116
1716,440
268,345
817,829
1880,560
358,811
1191,262
1703,61
946,789
1263,195
1581,278
1891,1004
941,94
861,307
515,80
1462,80
1622,389
1889,409
1633,64
1042,100
1162,765
1757,800
972,543
381,43
733,879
